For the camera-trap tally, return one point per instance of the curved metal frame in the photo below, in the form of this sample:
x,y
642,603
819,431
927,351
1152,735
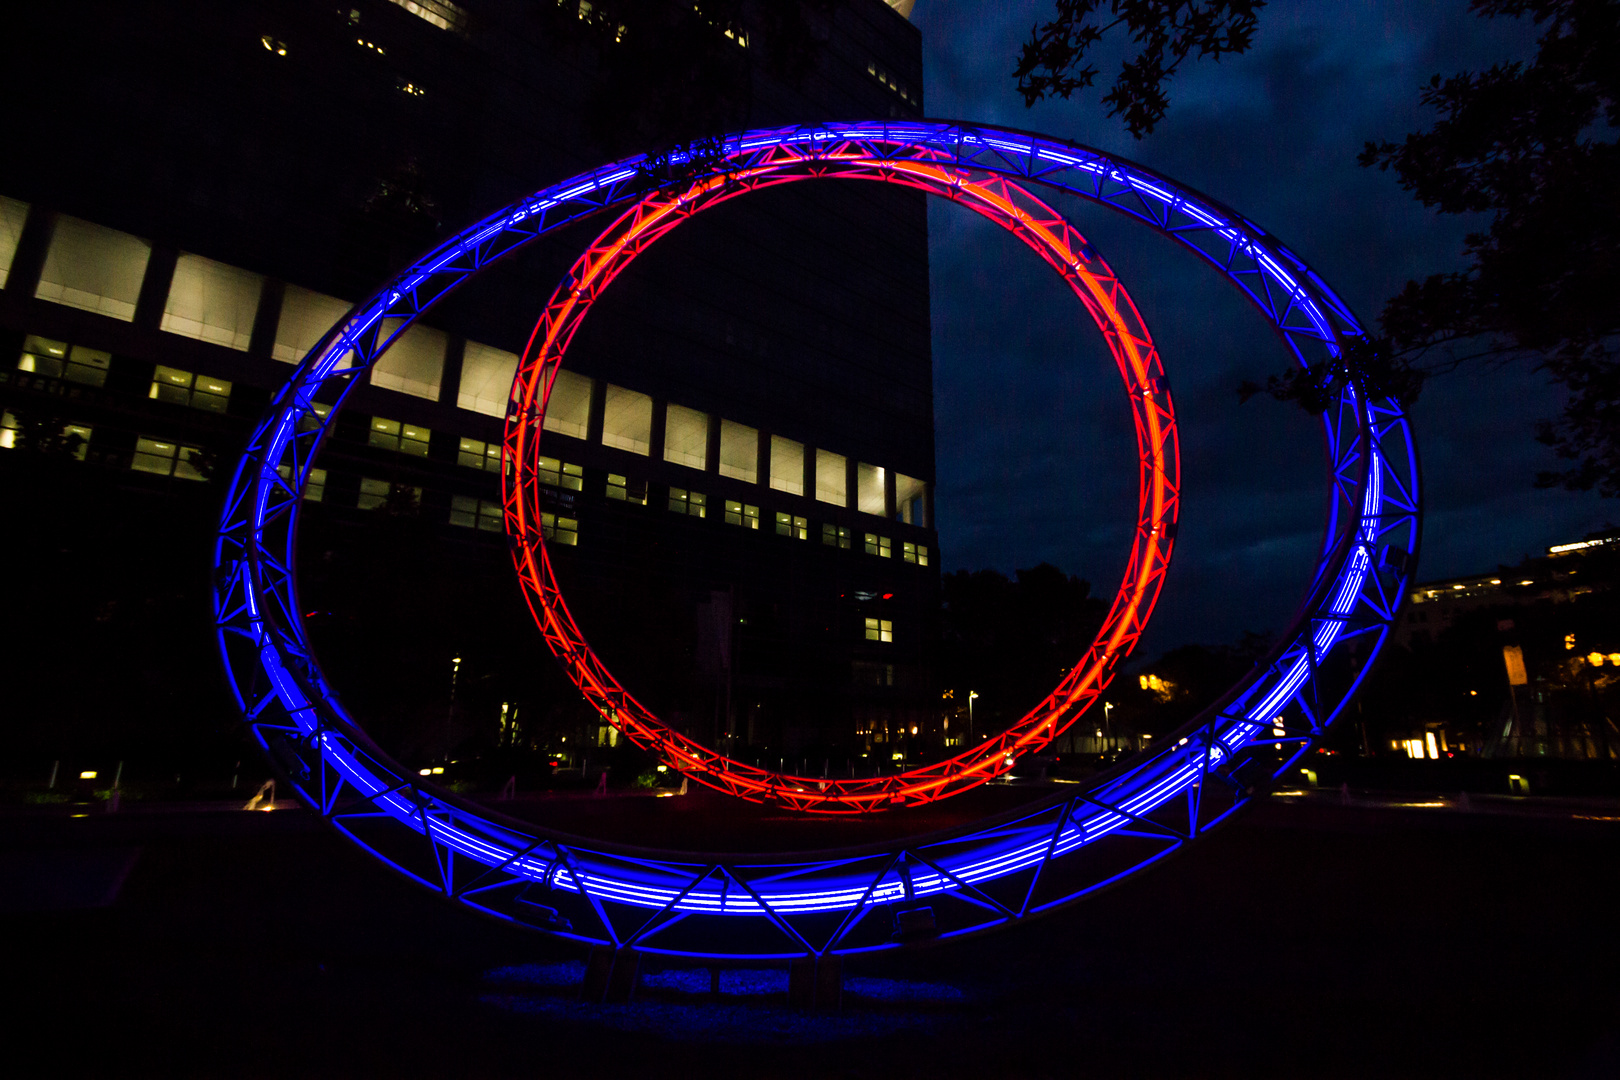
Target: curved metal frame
x,y
1157,456
787,906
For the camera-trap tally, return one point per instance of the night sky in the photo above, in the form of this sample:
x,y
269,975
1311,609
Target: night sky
x,y
1034,442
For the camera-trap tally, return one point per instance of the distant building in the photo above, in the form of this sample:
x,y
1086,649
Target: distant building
x,y
1435,605
191,194
1530,669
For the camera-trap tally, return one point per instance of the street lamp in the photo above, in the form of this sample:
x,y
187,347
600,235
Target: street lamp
x,y
971,695
1108,725
450,709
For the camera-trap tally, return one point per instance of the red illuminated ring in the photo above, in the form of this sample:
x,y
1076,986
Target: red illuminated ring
x,y
1158,458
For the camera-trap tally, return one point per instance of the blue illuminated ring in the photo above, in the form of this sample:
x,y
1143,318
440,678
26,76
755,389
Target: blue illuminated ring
x,y
970,879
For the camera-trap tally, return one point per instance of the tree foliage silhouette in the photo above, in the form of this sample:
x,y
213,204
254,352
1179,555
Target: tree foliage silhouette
x,y
1054,59
1533,145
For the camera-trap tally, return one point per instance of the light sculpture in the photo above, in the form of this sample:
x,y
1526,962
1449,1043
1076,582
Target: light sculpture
x,y
1146,391
969,879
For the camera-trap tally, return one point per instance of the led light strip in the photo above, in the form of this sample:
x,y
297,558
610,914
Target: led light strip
x,y
1157,456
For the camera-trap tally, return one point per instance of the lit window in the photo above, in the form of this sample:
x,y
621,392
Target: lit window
x,y
739,452
832,483
57,360
885,77
73,441
471,513
94,268
560,474
686,437
911,500
568,409
742,514
787,465
788,525
693,503
168,459
877,545
213,302
914,553
184,388
835,536
486,379
879,630
414,363
315,490
622,489
394,435
560,530
627,420
869,489
12,216
479,455
380,493
309,422
305,318
441,13
76,442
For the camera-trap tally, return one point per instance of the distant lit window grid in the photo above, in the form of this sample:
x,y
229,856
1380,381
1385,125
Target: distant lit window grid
x,y
376,493
623,489
471,513
880,630
835,536
179,387
740,513
475,454
315,489
75,437
559,530
165,458
441,13
596,16
100,269
789,525
692,503
887,78
310,423
410,439
59,360
560,474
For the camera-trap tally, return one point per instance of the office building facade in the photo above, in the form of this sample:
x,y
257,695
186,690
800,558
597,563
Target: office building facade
x,y
740,458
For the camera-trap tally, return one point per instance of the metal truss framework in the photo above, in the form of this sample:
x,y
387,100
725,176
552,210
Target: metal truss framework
x,y
1157,456
971,879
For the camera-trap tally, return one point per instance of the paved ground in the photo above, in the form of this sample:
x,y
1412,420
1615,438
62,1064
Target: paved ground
x,y
1308,939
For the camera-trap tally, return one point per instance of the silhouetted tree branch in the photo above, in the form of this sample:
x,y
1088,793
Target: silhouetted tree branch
x,y
1053,61
1532,145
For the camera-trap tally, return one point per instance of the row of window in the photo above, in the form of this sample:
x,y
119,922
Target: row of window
x,y
78,364
95,268
165,458
72,439
695,504
887,78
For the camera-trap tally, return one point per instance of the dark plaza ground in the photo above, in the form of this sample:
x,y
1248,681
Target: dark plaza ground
x,y
1395,936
